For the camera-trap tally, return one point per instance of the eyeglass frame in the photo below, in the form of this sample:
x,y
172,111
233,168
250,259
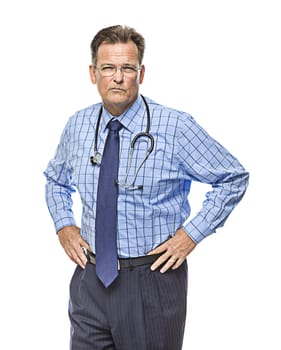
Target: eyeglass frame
x,y
115,68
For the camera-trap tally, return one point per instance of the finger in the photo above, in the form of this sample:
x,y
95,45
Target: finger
x,y
160,261
70,253
77,255
178,263
169,264
82,260
85,245
81,257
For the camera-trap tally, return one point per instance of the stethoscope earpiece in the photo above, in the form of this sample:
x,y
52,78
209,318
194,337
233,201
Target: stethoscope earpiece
x,y
97,157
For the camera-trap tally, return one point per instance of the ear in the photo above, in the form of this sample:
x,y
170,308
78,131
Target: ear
x,y
92,74
141,74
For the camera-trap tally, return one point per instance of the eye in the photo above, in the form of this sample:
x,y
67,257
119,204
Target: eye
x,y
129,69
108,69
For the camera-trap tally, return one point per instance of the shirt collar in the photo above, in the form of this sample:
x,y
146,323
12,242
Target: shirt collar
x,y
128,118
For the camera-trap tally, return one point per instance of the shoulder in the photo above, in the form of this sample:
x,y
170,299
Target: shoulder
x,y
165,115
84,116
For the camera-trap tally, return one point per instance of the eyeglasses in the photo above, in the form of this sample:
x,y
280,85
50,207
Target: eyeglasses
x,y
108,70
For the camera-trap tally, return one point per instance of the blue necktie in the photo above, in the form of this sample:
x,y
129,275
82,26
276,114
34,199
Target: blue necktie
x,y
106,212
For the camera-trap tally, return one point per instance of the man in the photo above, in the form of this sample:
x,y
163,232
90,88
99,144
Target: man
x,y
133,161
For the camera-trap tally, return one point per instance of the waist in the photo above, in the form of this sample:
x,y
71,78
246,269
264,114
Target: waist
x,y
129,262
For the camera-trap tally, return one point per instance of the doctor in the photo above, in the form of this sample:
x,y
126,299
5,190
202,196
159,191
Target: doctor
x,y
130,285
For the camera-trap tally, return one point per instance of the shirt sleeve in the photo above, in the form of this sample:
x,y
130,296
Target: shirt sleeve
x,y
59,185
205,160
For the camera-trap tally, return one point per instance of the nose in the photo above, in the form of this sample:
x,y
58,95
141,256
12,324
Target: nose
x,y
118,75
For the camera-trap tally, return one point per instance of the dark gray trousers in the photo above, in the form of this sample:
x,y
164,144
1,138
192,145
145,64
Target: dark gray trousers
x,y
141,310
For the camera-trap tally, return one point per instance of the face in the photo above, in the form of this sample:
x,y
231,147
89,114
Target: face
x,y
120,90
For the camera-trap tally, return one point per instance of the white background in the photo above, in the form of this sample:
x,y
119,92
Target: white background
x,y
218,60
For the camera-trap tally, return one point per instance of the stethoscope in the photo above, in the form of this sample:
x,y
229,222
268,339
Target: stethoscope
x,y
97,157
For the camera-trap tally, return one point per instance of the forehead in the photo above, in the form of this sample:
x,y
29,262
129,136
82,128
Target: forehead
x,y
117,53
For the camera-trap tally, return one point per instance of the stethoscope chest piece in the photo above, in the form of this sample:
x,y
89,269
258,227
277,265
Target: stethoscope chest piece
x,y
96,159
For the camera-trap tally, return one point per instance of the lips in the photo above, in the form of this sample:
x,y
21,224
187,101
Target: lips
x,y
117,89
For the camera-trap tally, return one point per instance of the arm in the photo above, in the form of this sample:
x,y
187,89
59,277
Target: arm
x,y
59,185
203,159
59,189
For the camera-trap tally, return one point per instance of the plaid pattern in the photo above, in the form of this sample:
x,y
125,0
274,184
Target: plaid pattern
x,y
183,152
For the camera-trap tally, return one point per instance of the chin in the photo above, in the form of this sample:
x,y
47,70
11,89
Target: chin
x,y
117,97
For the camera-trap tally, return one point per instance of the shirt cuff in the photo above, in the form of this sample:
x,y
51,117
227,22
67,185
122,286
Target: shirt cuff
x,y
64,220
197,229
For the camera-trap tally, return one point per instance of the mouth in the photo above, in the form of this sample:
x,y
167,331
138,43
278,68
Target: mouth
x,y
117,89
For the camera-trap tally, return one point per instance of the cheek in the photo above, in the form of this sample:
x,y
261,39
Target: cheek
x,y
133,85
103,88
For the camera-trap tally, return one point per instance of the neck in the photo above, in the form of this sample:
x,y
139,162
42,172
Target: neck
x,y
116,109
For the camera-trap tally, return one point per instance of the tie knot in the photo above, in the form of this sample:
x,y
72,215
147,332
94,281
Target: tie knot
x,y
114,125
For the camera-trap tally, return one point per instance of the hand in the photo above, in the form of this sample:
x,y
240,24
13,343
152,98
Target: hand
x,y
175,250
72,243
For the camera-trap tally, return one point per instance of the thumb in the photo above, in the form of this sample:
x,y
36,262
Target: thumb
x,y
160,249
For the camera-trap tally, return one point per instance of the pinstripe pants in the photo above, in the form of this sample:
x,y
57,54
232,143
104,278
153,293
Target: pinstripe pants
x,y
141,310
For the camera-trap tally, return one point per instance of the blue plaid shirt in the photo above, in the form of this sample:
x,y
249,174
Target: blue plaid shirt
x,y
183,153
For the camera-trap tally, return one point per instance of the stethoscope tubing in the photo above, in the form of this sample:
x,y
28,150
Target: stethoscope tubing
x,y
96,159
